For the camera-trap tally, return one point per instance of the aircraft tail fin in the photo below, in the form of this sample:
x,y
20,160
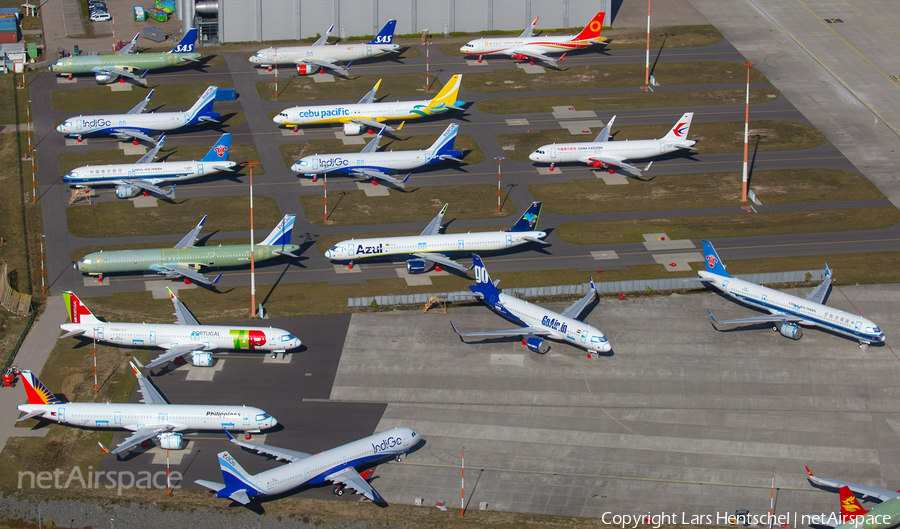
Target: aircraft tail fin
x,y
187,42
204,104
483,284
713,263
850,507
219,151
386,35
680,131
447,96
443,146
36,391
592,30
78,312
237,481
282,232
528,221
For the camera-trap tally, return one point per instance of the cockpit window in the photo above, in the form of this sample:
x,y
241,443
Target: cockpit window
x,y
287,337
86,261
263,416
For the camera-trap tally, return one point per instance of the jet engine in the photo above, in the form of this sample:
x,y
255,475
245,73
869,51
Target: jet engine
x,y
170,441
519,57
105,77
536,344
201,359
127,191
353,129
790,330
416,266
304,69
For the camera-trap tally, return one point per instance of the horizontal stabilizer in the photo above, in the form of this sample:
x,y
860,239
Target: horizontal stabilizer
x,y
240,496
35,413
211,485
73,333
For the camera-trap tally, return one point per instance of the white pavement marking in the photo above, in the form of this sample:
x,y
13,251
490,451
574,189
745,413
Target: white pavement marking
x,y
413,280
350,140
548,171
290,132
305,181
263,71
614,179
372,190
72,142
120,87
128,147
678,262
141,201
507,360
474,62
655,242
65,80
175,456
609,254
91,281
323,78
531,68
281,358
580,127
514,122
344,269
157,288
571,113
205,374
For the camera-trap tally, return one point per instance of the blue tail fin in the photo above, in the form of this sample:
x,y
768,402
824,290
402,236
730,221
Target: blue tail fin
x,y
186,44
442,148
219,152
204,104
483,284
386,35
528,221
282,233
713,263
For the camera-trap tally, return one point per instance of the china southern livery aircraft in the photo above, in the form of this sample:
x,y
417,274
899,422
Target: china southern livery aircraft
x,y
185,259
186,336
787,312
136,125
865,492
336,465
527,47
373,165
107,68
155,418
145,175
432,246
310,59
538,323
368,113
603,152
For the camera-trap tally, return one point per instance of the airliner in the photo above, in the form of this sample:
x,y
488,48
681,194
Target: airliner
x,y
374,165
370,114
604,153
135,125
144,175
432,246
527,47
787,312
854,516
337,466
311,59
154,419
185,336
538,323
864,491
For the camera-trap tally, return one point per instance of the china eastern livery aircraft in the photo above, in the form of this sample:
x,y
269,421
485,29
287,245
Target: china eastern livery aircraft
x,y
432,246
787,312
527,47
603,152
538,323
367,113
155,418
310,59
337,465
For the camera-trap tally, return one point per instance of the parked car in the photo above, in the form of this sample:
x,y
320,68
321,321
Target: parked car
x,y
100,17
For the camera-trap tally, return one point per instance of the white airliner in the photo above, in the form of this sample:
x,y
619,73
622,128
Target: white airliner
x,y
372,164
155,418
863,491
144,175
787,312
603,153
186,336
310,59
538,323
336,465
432,246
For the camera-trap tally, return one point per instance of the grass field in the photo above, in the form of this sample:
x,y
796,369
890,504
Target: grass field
x,y
354,87
237,152
93,98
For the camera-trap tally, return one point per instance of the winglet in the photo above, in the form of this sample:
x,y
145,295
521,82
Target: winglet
x,y
172,294
453,327
713,318
648,166
216,280
347,68
401,126
405,179
143,75
592,284
230,438
134,368
563,56
172,190
200,224
809,472
105,451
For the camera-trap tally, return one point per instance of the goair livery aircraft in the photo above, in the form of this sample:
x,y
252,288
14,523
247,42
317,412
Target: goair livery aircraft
x,y
145,175
538,323
310,59
787,312
374,165
368,113
136,125
186,336
866,492
185,259
337,466
432,246
155,418
527,47
603,152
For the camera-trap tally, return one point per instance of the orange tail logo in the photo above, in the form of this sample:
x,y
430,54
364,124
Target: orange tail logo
x,y
592,30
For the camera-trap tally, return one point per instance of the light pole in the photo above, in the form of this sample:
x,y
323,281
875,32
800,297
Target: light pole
x,y
748,64
498,158
250,164
647,57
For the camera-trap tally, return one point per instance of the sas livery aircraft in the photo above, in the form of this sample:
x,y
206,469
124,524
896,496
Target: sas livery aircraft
x,y
527,47
538,323
154,419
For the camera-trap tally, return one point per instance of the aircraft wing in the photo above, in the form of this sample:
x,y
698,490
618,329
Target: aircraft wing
x,y
372,146
174,352
578,307
189,273
322,63
126,49
769,318
139,436
861,491
527,33
609,160
351,478
524,331
370,96
604,134
434,227
181,312
131,133
118,70
146,186
149,393
372,123
372,173
188,240
151,154
142,105
283,454
442,260
324,38
820,294
530,53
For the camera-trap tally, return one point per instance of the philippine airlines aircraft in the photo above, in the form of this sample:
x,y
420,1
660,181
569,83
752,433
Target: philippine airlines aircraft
x,y
310,59
865,492
432,246
155,418
374,165
787,312
144,175
603,153
136,125
538,323
336,465
527,47
368,113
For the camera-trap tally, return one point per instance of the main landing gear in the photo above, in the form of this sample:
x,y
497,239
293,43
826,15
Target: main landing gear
x,y
339,490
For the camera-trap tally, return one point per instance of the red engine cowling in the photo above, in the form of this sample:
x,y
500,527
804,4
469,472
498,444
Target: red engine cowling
x,y
304,69
519,57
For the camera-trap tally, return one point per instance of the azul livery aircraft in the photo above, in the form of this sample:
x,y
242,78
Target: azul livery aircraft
x,y
136,125
538,323
155,418
145,175
310,59
787,312
336,466
603,152
186,336
374,165
432,246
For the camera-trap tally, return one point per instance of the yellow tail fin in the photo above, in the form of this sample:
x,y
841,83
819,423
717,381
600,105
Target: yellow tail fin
x,y
447,95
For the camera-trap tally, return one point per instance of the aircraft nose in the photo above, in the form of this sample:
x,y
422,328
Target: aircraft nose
x,y
273,422
328,254
295,168
607,347
533,157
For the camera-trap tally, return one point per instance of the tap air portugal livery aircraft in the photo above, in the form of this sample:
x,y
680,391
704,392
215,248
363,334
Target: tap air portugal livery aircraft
x,y
538,323
145,175
135,125
432,247
310,59
368,113
787,312
186,336
185,260
603,152
527,47
155,418
337,466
